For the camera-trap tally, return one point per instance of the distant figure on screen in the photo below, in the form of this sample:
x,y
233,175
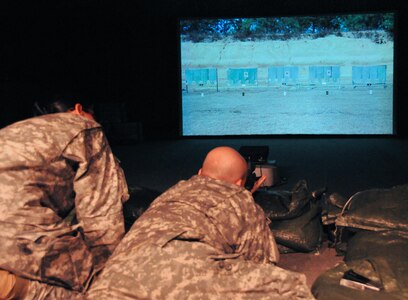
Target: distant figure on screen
x,y
60,203
204,238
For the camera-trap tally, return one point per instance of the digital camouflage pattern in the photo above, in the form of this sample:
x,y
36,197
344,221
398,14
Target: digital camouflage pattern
x,y
53,167
38,290
201,239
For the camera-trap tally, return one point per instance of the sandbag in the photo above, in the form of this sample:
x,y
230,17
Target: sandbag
x,y
378,244
285,250
295,215
332,207
388,252
280,205
373,235
327,286
301,234
377,210
379,256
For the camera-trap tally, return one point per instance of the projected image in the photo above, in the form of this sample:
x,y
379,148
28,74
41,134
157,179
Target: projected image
x,y
288,75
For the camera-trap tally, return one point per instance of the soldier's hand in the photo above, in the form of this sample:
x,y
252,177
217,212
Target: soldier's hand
x,y
258,183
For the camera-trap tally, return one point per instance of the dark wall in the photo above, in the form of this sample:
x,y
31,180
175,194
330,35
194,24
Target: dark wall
x,y
127,51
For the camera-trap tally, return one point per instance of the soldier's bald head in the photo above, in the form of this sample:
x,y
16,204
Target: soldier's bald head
x,y
225,163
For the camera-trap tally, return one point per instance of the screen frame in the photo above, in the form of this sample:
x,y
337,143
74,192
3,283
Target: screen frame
x,y
396,121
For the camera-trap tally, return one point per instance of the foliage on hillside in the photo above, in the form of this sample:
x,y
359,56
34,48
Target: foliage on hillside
x,y
284,28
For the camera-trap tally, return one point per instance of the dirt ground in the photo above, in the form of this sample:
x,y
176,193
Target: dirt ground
x,y
334,110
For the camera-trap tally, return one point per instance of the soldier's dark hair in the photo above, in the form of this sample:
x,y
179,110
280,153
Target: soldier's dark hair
x,y
60,103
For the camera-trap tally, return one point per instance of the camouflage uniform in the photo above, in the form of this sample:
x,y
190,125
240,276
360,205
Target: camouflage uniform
x,y
201,239
53,167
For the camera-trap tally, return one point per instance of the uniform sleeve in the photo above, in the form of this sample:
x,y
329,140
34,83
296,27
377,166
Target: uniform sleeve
x,y
100,189
257,241
263,246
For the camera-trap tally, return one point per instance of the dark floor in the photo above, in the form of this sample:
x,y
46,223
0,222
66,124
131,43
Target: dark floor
x,y
311,264
342,165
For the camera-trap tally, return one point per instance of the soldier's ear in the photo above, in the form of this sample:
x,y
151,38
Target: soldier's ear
x,y
78,108
199,172
239,182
